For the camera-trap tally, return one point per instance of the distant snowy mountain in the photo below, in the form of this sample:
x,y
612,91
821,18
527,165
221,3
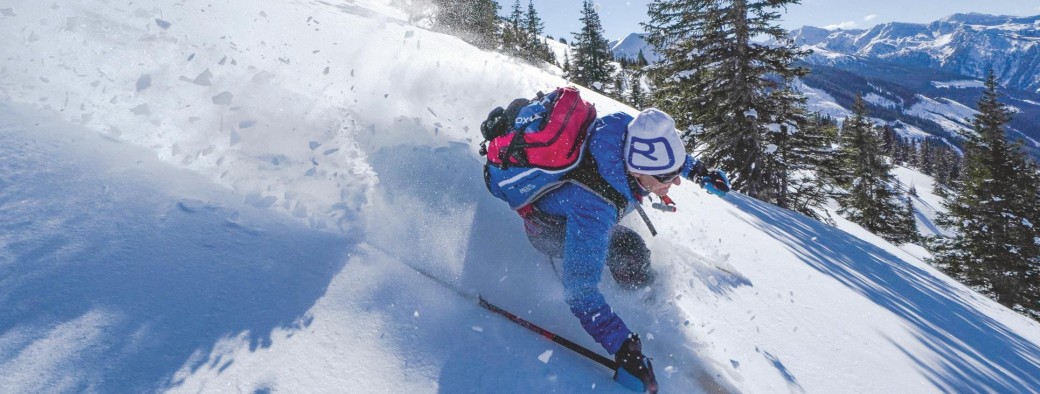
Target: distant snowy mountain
x,y
630,45
930,76
967,44
925,79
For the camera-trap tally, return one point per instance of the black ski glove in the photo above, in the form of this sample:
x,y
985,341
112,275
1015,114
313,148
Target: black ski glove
x,y
634,370
698,171
714,181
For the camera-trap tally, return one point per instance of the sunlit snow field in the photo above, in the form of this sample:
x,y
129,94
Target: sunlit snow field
x,y
232,196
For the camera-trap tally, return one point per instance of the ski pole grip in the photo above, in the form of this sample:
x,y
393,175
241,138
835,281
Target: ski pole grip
x,y
662,207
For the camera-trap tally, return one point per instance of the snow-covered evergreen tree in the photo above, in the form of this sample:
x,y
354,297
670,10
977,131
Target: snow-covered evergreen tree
x,y
513,37
870,198
715,75
908,221
994,214
800,162
591,62
637,97
537,48
532,22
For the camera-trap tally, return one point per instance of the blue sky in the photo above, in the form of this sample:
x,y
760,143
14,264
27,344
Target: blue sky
x,y
621,17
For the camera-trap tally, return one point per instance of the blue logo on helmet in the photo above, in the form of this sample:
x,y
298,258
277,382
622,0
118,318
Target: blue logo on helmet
x,y
650,154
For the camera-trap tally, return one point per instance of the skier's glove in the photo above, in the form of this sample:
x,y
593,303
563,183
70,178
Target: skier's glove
x,y
634,370
715,182
694,169
495,124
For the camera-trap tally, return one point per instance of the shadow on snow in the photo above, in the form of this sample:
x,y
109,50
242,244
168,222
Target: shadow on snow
x,y
169,278
970,351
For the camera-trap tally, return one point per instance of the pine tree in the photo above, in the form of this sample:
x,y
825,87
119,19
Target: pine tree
x,y
939,190
902,150
890,140
641,59
716,74
539,50
908,232
949,166
636,97
567,65
617,93
809,160
513,37
994,216
532,22
591,66
870,197
796,150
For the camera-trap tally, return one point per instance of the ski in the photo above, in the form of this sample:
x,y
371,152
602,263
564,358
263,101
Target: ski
x,y
570,345
584,351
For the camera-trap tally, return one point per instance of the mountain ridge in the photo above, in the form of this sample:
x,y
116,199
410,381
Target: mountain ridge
x,y
927,72
968,44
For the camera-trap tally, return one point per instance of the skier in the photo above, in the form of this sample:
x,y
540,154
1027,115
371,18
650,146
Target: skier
x,y
578,222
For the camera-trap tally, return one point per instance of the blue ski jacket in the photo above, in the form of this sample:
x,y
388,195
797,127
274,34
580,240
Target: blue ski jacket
x,y
590,219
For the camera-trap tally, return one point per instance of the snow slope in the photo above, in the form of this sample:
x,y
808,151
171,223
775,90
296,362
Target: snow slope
x,y
231,197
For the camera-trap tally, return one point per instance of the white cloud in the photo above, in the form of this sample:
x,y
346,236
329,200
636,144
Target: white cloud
x,y
870,17
842,25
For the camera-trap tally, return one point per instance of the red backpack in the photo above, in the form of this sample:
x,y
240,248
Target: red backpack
x,y
545,133
532,146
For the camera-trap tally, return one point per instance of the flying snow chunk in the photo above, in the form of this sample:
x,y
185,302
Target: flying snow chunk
x,y
163,24
223,98
477,328
203,78
544,358
141,110
263,77
144,82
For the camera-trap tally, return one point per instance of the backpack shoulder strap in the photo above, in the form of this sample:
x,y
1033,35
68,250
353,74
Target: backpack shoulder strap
x,y
587,174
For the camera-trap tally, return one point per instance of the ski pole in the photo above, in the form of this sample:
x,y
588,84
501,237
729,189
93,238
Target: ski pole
x,y
646,219
549,335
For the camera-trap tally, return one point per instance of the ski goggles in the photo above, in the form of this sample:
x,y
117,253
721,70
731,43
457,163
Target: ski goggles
x,y
669,177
